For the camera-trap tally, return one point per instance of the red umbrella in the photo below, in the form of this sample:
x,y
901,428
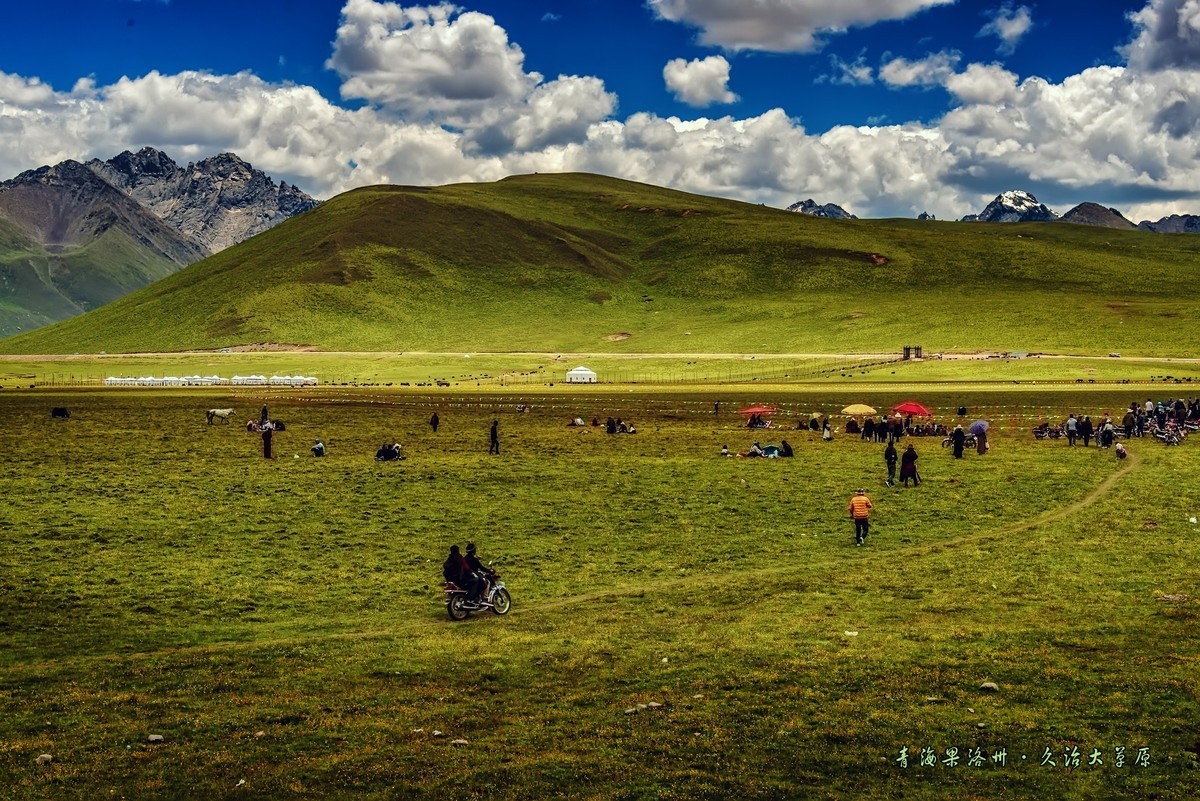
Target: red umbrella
x,y
911,407
759,409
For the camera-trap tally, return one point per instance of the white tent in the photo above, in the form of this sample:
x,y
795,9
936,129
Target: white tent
x,y
581,375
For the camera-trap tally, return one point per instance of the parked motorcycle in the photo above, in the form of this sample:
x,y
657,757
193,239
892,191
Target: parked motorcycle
x,y
968,442
494,597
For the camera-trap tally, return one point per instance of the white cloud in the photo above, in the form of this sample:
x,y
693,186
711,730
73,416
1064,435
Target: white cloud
x,y
1167,35
555,113
933,70
700,82
427,60
983,83
1009,26
850,73
782,25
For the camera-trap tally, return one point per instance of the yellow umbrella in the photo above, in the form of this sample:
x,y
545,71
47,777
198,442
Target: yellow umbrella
x,y
857,409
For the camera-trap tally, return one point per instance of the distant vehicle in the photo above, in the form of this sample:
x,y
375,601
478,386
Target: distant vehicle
x,y
1114,355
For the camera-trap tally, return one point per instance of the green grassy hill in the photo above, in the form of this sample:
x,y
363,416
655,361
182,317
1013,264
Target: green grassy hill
x,y
583,263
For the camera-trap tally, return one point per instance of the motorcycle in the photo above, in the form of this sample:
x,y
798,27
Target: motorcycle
x,y
968,442
494,597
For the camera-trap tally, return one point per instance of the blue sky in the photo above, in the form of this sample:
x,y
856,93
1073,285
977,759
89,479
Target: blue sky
x,y
887,107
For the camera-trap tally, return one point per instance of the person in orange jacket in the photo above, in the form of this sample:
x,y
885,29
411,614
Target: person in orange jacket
x,y
860,512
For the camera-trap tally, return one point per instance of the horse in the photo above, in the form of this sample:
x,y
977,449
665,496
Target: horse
x,y
223,414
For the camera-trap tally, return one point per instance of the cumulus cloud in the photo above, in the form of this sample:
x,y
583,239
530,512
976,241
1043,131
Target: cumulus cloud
x,y
781,25
700,82
1167,35
427,60
1009,25
555,113
933,70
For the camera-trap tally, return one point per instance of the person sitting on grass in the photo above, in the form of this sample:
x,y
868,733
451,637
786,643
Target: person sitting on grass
x,y
785,450
1121,452
318,449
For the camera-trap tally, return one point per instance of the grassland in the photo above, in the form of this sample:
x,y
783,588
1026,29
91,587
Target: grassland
x,y
278,622
585,264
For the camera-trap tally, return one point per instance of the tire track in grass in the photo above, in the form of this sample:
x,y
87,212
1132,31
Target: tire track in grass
x,y
613,593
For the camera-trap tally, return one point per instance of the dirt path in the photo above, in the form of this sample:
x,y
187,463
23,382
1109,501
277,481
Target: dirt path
x,y
835,562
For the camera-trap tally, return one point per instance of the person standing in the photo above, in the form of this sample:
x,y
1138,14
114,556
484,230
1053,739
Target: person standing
x,y
494,438
263,416
860,512
959,438
891,457
434,421
908,467
826,434
1086,430
267,431
1072,429
981,443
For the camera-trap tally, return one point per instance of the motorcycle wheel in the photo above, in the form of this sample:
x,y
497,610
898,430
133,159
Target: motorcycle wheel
x,y
456,609
501,602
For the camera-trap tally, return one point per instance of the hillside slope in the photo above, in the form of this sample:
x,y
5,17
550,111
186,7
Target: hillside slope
x,y
73,242
586,263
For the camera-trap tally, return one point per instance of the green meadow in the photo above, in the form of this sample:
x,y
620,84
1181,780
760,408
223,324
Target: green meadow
x,y
684,625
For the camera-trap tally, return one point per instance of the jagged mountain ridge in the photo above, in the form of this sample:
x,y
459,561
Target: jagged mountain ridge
x,y
830,211
1174,224
76,236
217,202
1015,205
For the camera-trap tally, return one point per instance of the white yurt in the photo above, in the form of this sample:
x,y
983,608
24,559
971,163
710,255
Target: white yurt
x,y
581,375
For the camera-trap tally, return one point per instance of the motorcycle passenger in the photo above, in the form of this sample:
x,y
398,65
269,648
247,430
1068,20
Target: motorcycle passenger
x,y
456,569
479,570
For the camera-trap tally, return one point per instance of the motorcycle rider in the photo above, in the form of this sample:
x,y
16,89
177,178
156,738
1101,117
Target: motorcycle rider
x,y
480,571
456,569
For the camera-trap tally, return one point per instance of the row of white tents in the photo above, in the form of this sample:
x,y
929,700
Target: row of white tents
x,y
213,381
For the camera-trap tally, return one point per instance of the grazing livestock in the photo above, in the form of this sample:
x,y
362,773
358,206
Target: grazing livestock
x,y
60,411
219,414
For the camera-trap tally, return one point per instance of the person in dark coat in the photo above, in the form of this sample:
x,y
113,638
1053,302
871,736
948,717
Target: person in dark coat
x,y
1086,430
456,569
959,438
785,450
267,431
890,457
263,417
981,443
494,438
908,467
434,421
868,429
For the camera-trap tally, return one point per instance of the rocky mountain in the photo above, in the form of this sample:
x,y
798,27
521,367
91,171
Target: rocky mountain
x,y
68,206
217,202
829,210
76,236
75,242
1013,206
1175,224
1095,214
926,216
